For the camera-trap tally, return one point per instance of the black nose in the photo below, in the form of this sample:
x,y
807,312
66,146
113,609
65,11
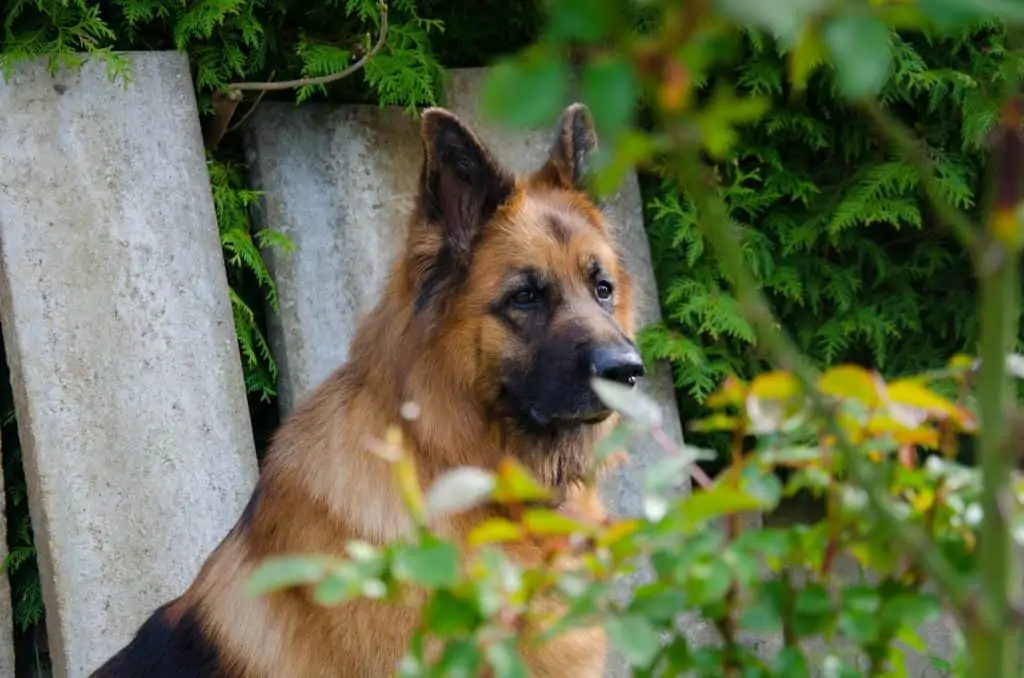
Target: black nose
x,y
619,362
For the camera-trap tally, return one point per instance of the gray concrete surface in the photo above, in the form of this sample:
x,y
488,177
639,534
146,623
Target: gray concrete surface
x,y
6,612
339,181
128,386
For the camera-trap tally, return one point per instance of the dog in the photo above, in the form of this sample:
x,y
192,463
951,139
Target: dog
x,y
509,298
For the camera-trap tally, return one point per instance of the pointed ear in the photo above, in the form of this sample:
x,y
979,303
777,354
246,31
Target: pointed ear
x,y
566,165
461,187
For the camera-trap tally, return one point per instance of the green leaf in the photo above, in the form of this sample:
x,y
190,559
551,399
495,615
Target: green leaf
x,y
460,659
657,603
516,484
285,572
505,660
862,52
546,522
583,20
434,564
812,610
714,502
610,90
765,612
527,91
635,638
447,614
859,616
791,663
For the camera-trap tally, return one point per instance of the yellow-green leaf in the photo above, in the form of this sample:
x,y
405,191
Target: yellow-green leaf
x,y
495,530
516,485
850,382
551,523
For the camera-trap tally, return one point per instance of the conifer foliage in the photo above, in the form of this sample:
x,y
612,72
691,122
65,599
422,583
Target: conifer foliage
x,y
834,222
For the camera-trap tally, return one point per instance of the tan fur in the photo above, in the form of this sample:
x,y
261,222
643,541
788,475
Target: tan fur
x,y
320,487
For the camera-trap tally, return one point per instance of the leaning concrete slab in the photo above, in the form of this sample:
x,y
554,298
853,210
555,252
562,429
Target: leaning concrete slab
x,y
339,182
6,606
128,385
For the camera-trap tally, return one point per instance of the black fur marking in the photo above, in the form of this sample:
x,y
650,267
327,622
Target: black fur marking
x,y
444,269
559,230
160,650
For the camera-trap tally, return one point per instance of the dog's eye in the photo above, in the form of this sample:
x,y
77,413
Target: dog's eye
x,y
525,298
603,290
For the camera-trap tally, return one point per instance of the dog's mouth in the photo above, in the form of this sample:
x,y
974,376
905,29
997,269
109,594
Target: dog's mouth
x,y
562,421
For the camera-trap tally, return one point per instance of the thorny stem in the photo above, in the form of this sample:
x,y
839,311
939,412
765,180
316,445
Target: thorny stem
x,y
994,643
716,226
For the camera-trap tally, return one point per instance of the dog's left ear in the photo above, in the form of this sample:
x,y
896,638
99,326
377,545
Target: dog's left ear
x,y
566,165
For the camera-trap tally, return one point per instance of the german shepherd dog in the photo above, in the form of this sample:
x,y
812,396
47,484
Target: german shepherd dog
x,y
509,297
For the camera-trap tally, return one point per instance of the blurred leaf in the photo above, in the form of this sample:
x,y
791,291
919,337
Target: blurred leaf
x,y
714,502
284,572
610,91
583,20
806,56
434,564
515,484
862,52
526,91
504,658
449,615
791,663
459,490
495,530
635,638
812,610
860,627
765,612
731,392
850,382
784,22
657,603
460,659
718,118
958,13
553,523
629,402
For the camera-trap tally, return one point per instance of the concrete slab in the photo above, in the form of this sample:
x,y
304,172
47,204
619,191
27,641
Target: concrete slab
x,y
128,384
6,607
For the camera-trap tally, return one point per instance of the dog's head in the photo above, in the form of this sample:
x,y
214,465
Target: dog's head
x,y
519,279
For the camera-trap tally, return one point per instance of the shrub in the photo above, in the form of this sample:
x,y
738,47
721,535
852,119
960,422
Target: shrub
x,y
882,453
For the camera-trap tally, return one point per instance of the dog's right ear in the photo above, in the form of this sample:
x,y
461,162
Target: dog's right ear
x,y
461,184
461,188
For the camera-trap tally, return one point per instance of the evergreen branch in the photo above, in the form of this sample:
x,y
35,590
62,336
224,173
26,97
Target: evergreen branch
x,y
779,348
323,79
914,151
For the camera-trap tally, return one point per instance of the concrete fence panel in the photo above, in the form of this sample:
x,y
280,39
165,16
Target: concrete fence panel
x,y
128,386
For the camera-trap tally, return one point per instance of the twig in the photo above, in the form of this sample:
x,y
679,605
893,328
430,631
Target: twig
x,y
322,79
914,150
227,101
252,109
716,226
